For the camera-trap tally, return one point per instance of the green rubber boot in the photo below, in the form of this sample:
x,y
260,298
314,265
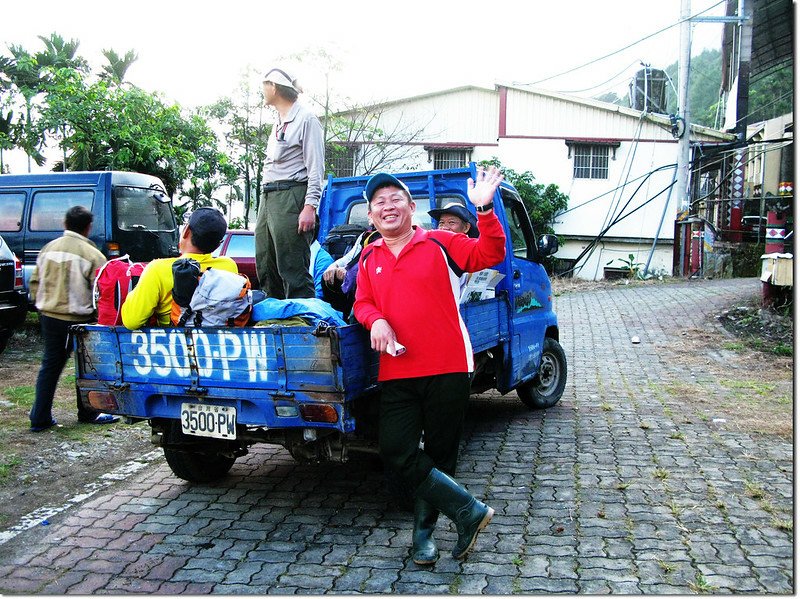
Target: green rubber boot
x,y
470,515
423,550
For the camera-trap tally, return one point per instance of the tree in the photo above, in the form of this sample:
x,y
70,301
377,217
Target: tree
x,y
246,135
375,139
117,65
113,128
541,201
772,95
367,136
29,75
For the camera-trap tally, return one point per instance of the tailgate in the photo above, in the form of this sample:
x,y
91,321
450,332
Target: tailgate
x,y
487,322
151,371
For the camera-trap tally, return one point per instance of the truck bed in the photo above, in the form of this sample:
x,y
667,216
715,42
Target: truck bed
x,y
148,373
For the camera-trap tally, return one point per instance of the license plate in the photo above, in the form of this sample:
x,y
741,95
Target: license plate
x,y
204,420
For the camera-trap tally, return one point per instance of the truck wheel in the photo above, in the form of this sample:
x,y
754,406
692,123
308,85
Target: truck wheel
x,y
547,386
197,467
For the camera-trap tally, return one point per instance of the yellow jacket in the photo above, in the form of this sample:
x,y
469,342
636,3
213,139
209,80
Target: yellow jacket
x,y
153,294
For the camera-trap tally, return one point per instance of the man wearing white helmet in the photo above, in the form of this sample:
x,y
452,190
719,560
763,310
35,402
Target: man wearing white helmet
x,y
292,188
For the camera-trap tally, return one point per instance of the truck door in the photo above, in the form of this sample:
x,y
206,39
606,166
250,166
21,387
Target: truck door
x,y
530,300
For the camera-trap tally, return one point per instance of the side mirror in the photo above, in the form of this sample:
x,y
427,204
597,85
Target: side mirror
x,y
548,245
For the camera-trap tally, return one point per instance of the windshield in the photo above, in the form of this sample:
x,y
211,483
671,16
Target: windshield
x,y
139,208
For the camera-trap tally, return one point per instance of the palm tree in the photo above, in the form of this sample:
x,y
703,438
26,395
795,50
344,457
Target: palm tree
x,y
59,54
118,65
31,74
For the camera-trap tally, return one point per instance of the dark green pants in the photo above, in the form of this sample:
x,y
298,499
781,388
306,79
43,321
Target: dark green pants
x,y
283,255
433,404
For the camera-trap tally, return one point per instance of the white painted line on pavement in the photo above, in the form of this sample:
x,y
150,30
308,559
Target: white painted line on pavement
x,y
36,517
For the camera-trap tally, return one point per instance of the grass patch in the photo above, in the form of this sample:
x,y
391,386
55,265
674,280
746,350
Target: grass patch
x,y
754,490
701,585
734,346
760,388
783,350
784,525
454,587
667,567
7,464
22,396
661,474
677,435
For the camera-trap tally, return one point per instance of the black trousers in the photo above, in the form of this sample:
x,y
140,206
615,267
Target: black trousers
x,y
57,350
433,404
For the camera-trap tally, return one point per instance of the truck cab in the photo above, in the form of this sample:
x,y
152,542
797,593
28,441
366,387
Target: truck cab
x,y
510,356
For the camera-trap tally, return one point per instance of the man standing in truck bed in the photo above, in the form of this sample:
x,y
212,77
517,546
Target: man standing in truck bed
x,y
288,211
409,277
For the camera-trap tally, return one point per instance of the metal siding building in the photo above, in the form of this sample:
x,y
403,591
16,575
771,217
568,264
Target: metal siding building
x,y
542,132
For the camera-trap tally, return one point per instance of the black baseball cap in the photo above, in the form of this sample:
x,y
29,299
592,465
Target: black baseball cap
x,y
208,226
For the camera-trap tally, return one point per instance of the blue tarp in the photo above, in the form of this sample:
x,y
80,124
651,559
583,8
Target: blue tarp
x,y
312,308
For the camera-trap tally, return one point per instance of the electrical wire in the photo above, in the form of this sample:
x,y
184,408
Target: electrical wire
x,y
726,178
621,217
622,72
602,195
647,37
590,247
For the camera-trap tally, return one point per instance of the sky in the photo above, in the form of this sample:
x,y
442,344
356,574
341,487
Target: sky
x,y
195,52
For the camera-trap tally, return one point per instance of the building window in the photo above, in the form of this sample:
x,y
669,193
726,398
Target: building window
x,y
590,161
341,159
446,157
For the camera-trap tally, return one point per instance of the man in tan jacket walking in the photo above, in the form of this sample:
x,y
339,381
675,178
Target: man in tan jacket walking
x,y
61,285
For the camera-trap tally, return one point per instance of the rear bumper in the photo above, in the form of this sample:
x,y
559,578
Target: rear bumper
x,y
13,308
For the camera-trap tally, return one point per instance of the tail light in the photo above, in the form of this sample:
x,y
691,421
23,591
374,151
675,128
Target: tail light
x,y
102,400
19,282
315,412
113,249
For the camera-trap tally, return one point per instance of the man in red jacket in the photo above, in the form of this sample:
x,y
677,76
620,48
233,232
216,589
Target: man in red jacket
x,y
408,281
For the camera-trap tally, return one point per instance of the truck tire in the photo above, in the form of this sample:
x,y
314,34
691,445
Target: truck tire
x,y
548,385
197,467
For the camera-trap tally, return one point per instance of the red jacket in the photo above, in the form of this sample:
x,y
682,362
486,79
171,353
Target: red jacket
x,y
417,293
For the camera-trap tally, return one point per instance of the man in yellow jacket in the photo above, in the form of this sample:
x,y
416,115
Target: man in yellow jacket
x,y
152,296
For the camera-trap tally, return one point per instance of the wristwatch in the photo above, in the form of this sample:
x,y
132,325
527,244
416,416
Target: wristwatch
x,y
485,207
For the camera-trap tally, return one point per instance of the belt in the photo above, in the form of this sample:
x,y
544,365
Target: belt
x,y
282,185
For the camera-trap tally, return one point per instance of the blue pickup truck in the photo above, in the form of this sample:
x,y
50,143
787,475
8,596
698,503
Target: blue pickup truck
x,y
210,393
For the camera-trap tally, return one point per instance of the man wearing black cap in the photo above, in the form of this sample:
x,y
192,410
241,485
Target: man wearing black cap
x,y
406,278
293,186
152,296
455,217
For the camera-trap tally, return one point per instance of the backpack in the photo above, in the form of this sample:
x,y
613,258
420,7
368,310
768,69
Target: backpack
x,y
185,278
341,238
113,281
212,298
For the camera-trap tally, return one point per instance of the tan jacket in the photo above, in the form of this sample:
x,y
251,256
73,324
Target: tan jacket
x,y
62,281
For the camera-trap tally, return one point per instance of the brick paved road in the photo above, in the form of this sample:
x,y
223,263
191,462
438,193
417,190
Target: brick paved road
x,y
609,491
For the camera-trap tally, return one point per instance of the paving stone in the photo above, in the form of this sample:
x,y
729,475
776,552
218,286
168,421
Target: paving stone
x,y
579,508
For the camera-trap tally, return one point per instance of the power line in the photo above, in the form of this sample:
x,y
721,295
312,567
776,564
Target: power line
x,y
591,62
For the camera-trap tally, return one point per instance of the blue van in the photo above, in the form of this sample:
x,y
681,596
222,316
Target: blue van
x,y
132,213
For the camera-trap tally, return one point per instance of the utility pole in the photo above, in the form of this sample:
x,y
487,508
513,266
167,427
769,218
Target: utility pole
x,y
742,107
684,151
